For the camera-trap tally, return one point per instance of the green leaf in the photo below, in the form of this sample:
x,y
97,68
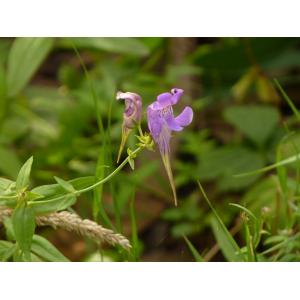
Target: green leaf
x,y
25,57
55,197
30,196
9,230
7,192
44,249
7,249
223,163
56,189
65,184
5,184
228,245
9,201
53,203
22,181
257,122
23,220
118,45
193,250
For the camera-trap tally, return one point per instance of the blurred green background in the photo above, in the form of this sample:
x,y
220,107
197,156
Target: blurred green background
x,y
69,120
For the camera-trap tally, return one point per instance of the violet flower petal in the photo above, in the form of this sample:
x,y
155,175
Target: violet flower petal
x,y
173,124
185,118
176,95
164,100
161,123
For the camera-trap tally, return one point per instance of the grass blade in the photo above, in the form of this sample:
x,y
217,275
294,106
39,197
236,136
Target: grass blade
x,y
287,99
134,230
229,247
193,250
284,162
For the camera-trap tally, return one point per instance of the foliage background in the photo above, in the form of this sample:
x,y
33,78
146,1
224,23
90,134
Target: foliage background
x,y
70,122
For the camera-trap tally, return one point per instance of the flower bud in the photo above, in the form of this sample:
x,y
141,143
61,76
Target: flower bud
x,y
133,108
131,116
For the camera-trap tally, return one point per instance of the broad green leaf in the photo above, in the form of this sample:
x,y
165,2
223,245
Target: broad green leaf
x,y
6,186
44,249
23,220
30,196
53,203
19,256
56,189
65,184
223,163
193,250
55,197
257,122
7,249
228,245
22,181
25,57
11,164
118,45
9,201
9,230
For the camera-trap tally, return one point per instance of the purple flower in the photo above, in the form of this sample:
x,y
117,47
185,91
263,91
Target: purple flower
x,y
133,108
161,123
131,116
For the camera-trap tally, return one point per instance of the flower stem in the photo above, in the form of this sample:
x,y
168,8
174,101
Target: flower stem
x,y
9,197
140,130
137,150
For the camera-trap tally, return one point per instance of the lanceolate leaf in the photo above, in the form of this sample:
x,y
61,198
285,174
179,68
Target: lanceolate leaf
x,y
52,204
125,45
7,249
25,57
24,175
65,184
23,220
45,250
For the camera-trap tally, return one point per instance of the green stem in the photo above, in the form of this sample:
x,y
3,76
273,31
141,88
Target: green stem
x,y
137,150
140,130
9,197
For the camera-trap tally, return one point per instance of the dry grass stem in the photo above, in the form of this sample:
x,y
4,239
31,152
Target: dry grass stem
x,y
73,223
